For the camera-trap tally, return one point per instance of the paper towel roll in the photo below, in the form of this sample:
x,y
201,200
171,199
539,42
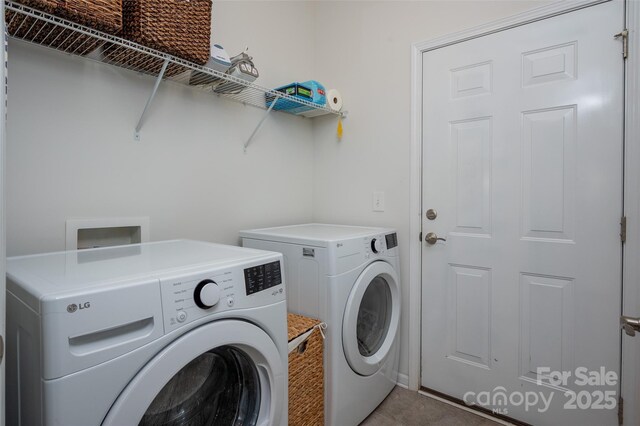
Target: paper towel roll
x,y
334,100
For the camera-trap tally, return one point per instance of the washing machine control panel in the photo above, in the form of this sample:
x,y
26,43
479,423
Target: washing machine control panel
x,y
262,277
206,294
187,298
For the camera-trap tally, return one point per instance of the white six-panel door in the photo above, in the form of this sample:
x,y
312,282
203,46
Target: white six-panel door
x,y
523,154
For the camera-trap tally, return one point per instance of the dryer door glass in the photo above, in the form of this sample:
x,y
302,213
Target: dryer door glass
x,y
371,319
374,316
220,387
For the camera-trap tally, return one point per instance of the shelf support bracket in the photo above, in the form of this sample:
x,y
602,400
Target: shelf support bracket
x,y
264,117
163,70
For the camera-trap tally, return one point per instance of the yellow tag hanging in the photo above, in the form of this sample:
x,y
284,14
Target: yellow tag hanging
x,y
339,129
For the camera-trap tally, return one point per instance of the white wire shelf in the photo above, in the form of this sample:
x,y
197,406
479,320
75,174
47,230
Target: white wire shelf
x,y
36,27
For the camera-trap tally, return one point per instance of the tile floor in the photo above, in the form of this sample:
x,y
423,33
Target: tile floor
x,y
406,408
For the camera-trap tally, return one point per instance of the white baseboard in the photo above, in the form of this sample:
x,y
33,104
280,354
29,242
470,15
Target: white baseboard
x,y
403,381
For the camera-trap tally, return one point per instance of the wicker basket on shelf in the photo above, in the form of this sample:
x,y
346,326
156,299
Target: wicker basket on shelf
x,y
306,373
102,15
27,27
178,27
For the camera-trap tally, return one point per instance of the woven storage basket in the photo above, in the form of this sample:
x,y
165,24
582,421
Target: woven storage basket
x,y
103,15
30,28
306,374
180,28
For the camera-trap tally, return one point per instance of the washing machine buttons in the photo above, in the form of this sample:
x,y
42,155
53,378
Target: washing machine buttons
x,y
230,302
182,316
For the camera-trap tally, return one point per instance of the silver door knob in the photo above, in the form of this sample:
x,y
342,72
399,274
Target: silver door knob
x,y
630,325
431,238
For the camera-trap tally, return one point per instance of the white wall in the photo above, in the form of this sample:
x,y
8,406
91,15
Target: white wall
x,y
71,152
368,58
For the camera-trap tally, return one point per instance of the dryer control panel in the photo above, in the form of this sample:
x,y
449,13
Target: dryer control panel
x,y
380,244
391,240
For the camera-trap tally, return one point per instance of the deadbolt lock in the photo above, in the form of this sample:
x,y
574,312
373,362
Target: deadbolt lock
x,y
432,214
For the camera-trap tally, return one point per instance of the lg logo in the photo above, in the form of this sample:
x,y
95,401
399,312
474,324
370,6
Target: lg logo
x,y
73,307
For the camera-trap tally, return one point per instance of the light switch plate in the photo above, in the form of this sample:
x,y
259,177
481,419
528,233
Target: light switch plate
x,y
378,201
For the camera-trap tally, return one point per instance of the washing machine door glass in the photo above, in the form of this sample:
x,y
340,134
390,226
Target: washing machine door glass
x,y
372,318
224,373
219,387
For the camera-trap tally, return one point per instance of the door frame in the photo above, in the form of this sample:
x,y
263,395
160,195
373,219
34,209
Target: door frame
x,y
631,270
3,125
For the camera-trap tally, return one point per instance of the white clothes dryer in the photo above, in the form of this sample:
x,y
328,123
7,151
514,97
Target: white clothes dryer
x,y
347,277
171,333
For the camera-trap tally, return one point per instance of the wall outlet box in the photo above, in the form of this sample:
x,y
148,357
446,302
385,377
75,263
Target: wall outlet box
x,y
378,201
83,233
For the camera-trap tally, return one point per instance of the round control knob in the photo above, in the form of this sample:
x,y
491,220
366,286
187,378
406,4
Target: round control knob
x,y
376,245
206,294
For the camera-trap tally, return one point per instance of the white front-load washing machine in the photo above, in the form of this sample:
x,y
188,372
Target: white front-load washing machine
x,y
348,277
167,333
